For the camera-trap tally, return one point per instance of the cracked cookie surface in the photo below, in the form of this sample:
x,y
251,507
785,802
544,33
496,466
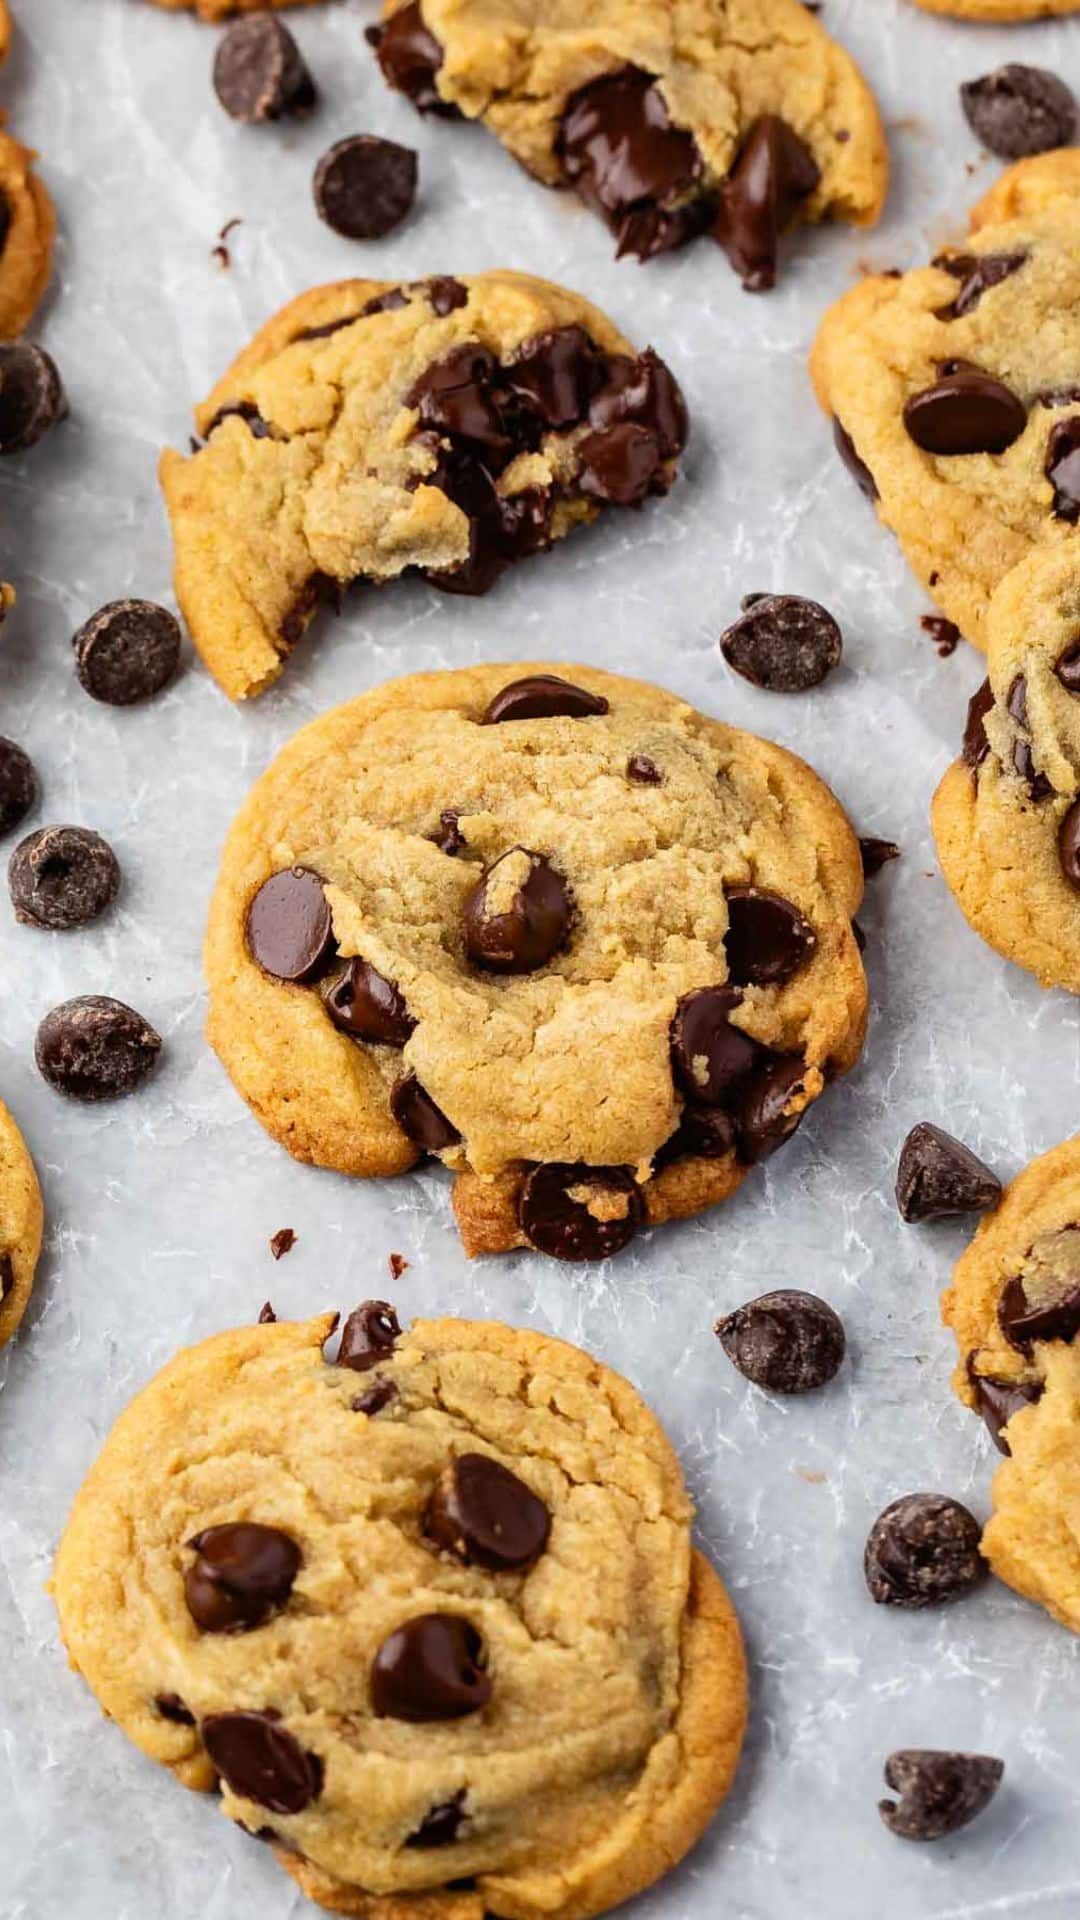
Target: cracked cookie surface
x,y
451,426
470,901
20,1225
27,231
561,1743
671,118
948,384
1014,1307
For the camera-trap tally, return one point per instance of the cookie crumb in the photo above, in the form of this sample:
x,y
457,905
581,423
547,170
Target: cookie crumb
x,y
220,252
945,634
283,1242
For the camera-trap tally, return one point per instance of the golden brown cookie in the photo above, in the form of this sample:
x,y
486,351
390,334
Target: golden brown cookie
x,y
450,426
670,118
1006,815
20,1225
27,231
1000,10
224,9
456,902
5,31
1014,1307
430,1613
948,385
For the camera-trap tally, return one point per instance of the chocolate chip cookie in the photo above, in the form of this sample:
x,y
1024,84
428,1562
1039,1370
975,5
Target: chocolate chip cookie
x,y
1006,816
733,118
1000,10
954,393
20,1225
428,1613
448,426
1014,1307
27,231
455,902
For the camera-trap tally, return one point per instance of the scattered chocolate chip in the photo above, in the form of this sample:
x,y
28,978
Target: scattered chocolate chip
x,y
938,1176
18,785
518,915
62,877
449,838
442,1825
259,71
643,772
282,1242
171,1707
369,1335
425,1124
964,412
858,469
998,1400
787,1342
289,930
487,1516
242,1573
364,186
767,938
1055,1315
1067,671
923,1550
774,172
410,57
574,1212
366,1005
770,1109
1019,110
976,746
945,634
31,396
542,696
619,150
261,1760
641,392
430,1669
93,1048
711,1059
977,273
127,651
380,1394
876,854
267,1316
783,643
1063,468
939,1792
1069,845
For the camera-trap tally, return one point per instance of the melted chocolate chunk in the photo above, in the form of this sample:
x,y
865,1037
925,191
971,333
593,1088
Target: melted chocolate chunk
x,y
1019,110
425,1124
619,150
923,1550
945,634
703,1133
487,1516
248,412
975,745
261,1760
858,469
574,1212
364,186
774,173
876,854
7,1276
430,1669
1023,1321
977,273
767,1116
31,396
501,529
641,392
369,1335
711,1059
965,412
555,374
454,396
62,877
18,785
289,929
319,589
242,1573
1067,671
94,1048
260,73
442,1825
787,1342
1022,758
938,1176
939,1792
127,651
542,696
367,1006
410,58
380,1394
620,466
643,772
767,938
998,1400
1063,468
1069,845
783,643
449,838
171,1707
520,930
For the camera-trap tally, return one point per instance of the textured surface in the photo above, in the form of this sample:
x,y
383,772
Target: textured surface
x,y
161,1207
20,1225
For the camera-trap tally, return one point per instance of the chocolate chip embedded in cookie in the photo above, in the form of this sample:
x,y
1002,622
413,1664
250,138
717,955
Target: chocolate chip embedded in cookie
x,y
20,1225
634,900
320,1597
447,426
27,232
669,125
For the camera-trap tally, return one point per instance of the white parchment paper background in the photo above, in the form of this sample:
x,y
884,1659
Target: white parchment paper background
x,y
160,1208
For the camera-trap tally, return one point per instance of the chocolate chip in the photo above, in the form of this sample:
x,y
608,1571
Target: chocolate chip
x,y
641,392
242,1573
703,1133
410,57
454,396
711,1058
364,186
542,696
369,1335
31,396
774,172
555,375
425,1124
939,1792
267,1316
1053,1316
7,1276
619,150
281,1243
767,938
93,1048
501,529
366,1005
574,1212
938,1176
923,1550
246,411
289,930
767,1114
783,643
787,1342
858,469
127,651
643,772
975,745
487,1516
62,877
380,1394
998,1400
1063,468
18,785
1069,845
964,412
430,1669
171,1707
1067,670
1019,110
449,838
945,634
518,915
261,1760
442,1825
619,466
259,71
1023,760
977,273
876,854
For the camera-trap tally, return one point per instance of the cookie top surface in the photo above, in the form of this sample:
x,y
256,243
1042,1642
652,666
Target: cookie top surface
x,y
1005,817
20,1225
567,1683
447,425
645,870
27,231
952,380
